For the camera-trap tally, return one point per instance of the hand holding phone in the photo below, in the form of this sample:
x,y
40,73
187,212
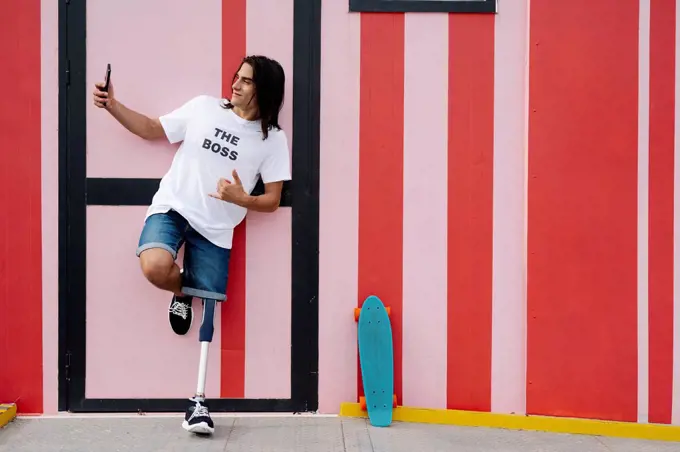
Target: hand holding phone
x,y
107,78
102,100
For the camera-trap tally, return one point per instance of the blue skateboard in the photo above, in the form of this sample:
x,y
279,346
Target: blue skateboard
x,y
376,358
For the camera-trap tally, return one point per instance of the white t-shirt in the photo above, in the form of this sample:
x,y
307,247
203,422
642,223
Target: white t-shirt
x,y
215,141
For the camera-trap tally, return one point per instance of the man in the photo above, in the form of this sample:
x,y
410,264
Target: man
x,y
226,146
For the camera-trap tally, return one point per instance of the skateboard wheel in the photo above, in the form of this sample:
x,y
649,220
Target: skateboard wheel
x,y
389,310
394,400
362,403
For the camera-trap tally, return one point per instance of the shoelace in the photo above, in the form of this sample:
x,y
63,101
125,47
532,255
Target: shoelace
x,y
199,411
180,309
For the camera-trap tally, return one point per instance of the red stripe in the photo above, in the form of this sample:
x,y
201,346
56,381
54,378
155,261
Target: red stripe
x,y
661,164
20,204
381,168
582,209
233,367
470,210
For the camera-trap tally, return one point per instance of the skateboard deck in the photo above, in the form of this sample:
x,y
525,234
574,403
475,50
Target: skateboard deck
x,y
376,359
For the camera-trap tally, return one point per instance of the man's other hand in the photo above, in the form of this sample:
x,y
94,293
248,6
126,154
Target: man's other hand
x,y
230,191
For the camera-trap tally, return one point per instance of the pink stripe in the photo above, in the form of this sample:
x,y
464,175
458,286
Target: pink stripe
x,y
135,356
508,357
339,204
188,63
643,216
50,202
425,205
268,308
269,31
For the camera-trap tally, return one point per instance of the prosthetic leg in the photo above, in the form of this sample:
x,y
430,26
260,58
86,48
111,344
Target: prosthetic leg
x,y
205,337
197,418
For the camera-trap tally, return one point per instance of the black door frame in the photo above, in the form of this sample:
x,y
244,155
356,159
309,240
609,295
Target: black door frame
x,y
77,191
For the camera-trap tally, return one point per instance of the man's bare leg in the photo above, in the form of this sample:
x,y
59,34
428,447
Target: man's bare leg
x,y
161,270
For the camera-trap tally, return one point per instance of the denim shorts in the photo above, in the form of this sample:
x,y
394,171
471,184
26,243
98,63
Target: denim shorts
x,y
205,266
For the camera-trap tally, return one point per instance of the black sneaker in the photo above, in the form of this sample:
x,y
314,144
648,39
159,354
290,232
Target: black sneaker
x,y
181,314
197,418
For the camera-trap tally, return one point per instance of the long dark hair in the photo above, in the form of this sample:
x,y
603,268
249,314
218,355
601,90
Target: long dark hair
x,y
270,85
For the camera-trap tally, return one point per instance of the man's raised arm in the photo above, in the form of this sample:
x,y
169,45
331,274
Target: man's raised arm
x,y
137,123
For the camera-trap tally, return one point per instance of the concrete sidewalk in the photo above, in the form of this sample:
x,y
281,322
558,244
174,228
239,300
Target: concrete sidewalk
x,y
291,434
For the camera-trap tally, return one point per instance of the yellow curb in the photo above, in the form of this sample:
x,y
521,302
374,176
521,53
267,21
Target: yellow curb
x,y
7,413
657,432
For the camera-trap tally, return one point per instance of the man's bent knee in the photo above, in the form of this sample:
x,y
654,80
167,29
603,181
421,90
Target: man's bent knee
x,y
156,265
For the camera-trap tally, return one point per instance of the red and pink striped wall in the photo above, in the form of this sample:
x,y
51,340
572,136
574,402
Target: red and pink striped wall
x,y
507,183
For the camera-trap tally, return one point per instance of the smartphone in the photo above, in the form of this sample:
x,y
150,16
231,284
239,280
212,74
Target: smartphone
x,y
107,78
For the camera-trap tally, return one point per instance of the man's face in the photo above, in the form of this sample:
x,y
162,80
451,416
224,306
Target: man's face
x,y
243,89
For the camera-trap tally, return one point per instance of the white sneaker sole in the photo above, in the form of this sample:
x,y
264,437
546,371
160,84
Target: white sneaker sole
x,y
201,427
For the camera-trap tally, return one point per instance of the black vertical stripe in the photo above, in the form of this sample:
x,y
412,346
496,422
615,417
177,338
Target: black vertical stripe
x,y
305,189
